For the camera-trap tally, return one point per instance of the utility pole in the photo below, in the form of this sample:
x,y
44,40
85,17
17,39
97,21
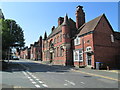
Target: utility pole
x,y
9,47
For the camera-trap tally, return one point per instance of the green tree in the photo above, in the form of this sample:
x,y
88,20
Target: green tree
x,y
12,33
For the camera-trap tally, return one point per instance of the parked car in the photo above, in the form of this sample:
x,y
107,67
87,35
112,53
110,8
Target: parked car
x,y
15,58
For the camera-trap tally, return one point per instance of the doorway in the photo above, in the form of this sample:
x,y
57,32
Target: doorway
x,y
51,57
89,59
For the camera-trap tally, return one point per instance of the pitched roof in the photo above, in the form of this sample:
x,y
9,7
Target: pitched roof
x,y
59,28
89,26
55,31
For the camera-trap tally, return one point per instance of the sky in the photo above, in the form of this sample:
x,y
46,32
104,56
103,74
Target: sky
x,y
37,17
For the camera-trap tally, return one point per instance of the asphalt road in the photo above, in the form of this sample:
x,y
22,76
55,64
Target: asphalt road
x,y
28,74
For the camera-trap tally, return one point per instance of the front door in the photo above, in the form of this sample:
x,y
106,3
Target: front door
x,y
89,60
51,57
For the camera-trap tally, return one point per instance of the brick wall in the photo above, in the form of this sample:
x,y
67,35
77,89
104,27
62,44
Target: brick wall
x,y
105,50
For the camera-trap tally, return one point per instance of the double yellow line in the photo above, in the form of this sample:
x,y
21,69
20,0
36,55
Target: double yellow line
x,y
97,75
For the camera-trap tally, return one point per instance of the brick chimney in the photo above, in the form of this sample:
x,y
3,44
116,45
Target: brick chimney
x,y
80,16
60,20
53,28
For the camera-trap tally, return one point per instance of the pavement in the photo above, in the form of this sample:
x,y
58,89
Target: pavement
x,y
74,68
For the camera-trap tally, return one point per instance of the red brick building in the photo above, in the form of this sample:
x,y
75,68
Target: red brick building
x,y
79,43
23,53
82,43
36,50
57,47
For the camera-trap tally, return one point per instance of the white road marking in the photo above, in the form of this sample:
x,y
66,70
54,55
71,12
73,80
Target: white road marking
x,y
33,82
24,73
37,79
29,73
70,82
40,81
37,86
31,79
30,76
82,82
34,77
44,85
65,84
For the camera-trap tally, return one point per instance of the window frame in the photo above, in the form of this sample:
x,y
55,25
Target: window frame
x,y
77,41
77,57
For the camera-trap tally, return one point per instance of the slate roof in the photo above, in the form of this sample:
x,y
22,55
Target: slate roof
x,y
85,28
89,26
59,28
55,31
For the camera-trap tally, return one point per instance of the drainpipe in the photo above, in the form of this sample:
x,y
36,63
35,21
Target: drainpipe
x,y
83,50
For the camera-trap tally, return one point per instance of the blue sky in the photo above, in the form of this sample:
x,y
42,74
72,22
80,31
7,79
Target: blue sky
x,y
37,17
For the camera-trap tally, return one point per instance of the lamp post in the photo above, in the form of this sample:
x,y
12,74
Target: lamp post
x,y
9,47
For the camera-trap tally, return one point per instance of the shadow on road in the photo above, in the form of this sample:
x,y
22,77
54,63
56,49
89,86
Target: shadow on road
x,y
35,67
11,67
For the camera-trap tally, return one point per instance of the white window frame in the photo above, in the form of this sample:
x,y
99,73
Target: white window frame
x,y
112,38
78,56
81,60
75,41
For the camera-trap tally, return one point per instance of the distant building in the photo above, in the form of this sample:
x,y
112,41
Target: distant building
x,y
36,50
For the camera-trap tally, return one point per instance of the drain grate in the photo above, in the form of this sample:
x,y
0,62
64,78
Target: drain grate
x,y
87,76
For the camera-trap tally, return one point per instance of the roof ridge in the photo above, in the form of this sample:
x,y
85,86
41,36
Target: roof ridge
x,y
91,25
96,18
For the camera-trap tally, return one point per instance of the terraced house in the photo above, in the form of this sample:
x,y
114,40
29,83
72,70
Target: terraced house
x,y
82,43
36,50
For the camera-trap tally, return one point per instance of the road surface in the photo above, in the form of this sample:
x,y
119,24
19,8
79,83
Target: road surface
x,y
29,74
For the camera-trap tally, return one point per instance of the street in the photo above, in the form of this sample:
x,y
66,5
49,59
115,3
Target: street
x,y
30,74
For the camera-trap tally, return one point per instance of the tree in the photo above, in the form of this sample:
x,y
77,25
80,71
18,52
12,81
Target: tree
x,y
12,33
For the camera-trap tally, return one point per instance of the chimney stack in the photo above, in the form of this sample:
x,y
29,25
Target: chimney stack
x,y
60,20
80,16
53,28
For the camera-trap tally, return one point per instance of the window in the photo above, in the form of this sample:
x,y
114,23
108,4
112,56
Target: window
x,y
55,52
47,54
55,41
78,56
77,41
112,38
61,38
61,51
51,45
88,41
58,39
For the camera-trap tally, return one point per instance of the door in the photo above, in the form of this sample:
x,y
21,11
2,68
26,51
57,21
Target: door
x,y
51,57
89,59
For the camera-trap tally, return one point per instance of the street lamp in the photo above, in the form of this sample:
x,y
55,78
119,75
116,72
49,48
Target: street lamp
x,y
9,47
